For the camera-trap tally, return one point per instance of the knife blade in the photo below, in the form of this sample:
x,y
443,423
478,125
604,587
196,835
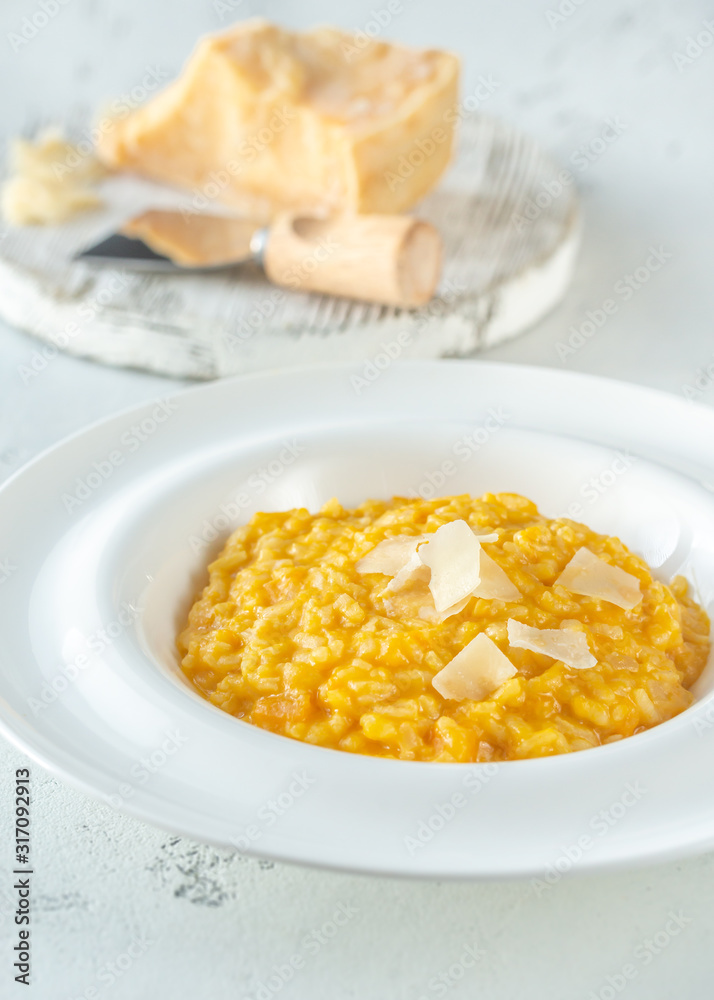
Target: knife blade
x,y
169,241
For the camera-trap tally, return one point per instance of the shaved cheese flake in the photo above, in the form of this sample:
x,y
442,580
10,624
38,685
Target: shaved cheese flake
x,y
430,614
495,583
492,536
566,645
413,569
591,576
474,673
390,555
452,554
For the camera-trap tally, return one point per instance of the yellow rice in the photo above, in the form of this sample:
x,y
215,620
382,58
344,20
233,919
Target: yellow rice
x,y
290,637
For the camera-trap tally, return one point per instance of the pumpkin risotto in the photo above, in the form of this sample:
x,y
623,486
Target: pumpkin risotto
x,y
454,629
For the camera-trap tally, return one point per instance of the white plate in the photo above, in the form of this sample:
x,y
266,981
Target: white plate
x,y
109,579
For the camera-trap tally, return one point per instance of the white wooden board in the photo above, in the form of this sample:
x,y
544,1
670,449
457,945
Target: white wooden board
x,y
510,248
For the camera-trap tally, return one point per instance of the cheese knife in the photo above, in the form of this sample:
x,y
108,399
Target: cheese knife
x,y
390,259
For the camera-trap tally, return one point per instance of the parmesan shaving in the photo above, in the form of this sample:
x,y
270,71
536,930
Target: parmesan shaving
x,y
454,561
390,555
591,576
452,554
566,645
430,614
492,536
412,570
474,673
495,584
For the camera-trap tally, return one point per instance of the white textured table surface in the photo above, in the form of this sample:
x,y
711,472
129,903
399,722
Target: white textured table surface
x,y
122,910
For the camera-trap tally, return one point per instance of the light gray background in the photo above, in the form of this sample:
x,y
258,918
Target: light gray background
x,y
214,924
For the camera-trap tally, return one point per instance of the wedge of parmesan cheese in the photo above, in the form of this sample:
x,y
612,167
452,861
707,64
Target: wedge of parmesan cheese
x,y
566,645
591,576
495,584
474,673
264,118
452,554
390,555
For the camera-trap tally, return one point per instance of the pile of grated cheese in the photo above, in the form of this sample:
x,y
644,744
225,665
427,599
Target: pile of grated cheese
x,y
50,181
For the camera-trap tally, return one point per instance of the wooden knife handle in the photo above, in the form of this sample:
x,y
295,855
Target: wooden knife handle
x,y
391,259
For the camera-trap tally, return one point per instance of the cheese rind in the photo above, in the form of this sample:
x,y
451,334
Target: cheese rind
x,y
265,119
